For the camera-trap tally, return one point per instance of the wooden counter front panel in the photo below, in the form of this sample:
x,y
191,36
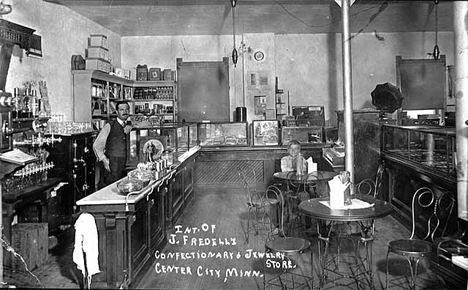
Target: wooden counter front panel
x,y
180,191
138,229
128,239
218,168
113,260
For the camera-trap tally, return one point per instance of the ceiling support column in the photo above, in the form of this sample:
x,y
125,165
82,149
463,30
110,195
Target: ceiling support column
x,y
347,91
460,25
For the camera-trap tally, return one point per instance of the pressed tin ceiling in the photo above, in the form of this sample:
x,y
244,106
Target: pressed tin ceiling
x,y
214,17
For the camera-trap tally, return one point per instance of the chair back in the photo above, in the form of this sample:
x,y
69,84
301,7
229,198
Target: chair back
x,y
314,179
245,184
369,186
436,208
275,193
293,183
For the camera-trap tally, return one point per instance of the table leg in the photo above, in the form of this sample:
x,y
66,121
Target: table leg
x,y
367,238
324,229
366,228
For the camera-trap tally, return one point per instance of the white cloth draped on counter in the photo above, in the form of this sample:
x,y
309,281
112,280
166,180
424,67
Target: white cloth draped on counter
x,y
86,242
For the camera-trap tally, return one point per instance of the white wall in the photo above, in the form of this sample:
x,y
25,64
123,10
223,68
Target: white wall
x,y
64,33
308,65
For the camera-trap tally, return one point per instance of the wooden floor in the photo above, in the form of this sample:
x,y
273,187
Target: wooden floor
x,y
213,224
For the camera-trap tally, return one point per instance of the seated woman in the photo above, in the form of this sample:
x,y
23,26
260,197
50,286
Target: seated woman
x,y
289,163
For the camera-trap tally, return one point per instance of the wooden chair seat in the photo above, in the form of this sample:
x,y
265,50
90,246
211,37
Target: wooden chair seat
x,y
288,245
406,247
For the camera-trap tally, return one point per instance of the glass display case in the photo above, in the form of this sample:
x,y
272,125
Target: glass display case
x,y
223,134
153,142
193,134
305,135
181,137
265,132
430,146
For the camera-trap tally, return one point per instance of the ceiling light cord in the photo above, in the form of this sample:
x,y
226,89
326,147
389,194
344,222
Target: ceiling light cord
x,y
235,55
436,51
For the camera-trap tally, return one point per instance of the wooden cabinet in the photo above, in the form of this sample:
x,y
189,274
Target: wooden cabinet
x,y
74,162
39,203
128,238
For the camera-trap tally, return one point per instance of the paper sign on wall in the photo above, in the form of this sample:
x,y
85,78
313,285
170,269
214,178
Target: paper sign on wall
x,y
260,105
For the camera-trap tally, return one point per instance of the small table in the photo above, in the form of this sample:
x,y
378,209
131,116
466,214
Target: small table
x,y
301,183
327,218
310,178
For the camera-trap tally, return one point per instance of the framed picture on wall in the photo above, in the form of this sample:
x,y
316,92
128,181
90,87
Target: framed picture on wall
x,y
265,132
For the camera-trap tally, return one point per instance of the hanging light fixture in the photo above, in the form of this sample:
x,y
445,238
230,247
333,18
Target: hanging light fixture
x,y
235,55
5,8
436,51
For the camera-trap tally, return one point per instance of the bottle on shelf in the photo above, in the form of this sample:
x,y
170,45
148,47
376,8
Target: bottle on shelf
x,y
25,112
300,165
17,104
34,107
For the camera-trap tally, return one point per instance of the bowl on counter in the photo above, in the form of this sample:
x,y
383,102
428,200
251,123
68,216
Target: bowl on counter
x,y
128,185
144,175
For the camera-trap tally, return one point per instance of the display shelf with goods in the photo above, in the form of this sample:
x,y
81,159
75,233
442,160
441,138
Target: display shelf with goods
x,y
95,94
155,101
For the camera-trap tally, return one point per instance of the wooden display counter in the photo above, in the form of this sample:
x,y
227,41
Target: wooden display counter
x,y
131,229
216,167
415,157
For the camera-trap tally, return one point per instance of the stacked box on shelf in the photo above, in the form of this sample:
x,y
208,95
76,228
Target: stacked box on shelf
x,y
97,54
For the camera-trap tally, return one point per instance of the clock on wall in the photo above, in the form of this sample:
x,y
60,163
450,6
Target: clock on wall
x,y
259,55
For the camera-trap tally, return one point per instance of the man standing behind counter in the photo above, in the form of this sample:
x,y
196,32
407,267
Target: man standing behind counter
x,y
110,146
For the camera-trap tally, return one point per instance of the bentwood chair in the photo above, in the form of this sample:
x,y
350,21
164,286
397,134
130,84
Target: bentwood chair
x,y
299,189
438,210
369,186
284,264
260,203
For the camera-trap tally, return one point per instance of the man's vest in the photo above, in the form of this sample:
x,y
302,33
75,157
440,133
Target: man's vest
x,y
116,145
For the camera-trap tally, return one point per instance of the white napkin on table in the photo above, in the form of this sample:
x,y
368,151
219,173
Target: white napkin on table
x,y
311,165
356,204
337,189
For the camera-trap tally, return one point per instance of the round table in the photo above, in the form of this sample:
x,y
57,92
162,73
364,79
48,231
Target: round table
x,y
312,177
315,208
299,187
327,218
